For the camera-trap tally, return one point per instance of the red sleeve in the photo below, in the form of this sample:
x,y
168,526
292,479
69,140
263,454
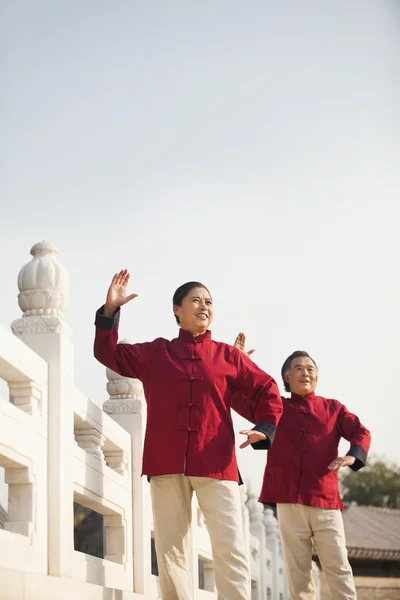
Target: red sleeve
x,y
260,389
243,407
352,430
129,360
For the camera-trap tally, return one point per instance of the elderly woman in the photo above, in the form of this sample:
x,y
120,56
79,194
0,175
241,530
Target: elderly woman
x,y
189,442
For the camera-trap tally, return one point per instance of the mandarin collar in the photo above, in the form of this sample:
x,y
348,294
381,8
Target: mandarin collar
x,y
186,336
297,399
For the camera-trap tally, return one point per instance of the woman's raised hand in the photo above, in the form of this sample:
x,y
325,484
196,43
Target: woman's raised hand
x,y
240,344
116,295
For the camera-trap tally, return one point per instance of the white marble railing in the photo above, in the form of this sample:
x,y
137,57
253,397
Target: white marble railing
x,y
23,455
101,480
58,447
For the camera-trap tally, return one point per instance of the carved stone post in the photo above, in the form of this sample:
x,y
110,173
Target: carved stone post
x,y
257,529
273,544
43,295
127,407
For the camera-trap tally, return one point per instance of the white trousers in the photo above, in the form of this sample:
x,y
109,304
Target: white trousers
x,y
219,502
300,526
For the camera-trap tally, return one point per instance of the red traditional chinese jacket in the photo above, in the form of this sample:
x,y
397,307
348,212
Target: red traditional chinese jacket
x,y
188,384
306,442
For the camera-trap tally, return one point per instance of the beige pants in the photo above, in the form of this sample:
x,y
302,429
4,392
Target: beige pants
x,y
219,502
299,526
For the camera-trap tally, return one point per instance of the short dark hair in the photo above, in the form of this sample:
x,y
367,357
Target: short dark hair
x,y
286,365
183,291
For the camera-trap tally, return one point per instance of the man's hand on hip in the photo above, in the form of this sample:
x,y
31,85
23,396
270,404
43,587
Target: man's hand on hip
x,y
253,436
341,461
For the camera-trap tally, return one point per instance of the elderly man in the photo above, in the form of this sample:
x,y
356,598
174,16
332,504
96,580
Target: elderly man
x,y
301,477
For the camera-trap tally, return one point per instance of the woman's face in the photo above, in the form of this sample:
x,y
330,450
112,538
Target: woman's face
x,y
196,313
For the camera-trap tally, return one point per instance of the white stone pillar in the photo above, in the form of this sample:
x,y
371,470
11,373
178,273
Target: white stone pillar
x,y
257,529
273,544
128,408
43,287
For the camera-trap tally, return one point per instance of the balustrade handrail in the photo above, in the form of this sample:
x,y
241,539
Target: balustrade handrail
x,y
18,363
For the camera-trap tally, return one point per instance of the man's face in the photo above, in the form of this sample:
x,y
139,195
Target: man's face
x,y
302,376
196,313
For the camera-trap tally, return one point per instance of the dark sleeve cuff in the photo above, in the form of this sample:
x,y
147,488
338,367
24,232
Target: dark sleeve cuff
x,y
269,431
107,323
360,455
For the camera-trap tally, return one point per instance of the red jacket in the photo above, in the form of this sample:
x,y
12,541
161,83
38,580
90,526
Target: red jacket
x,y
306,442
188,384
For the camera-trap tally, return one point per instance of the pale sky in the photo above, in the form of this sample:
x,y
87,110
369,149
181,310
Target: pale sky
x,y
254,146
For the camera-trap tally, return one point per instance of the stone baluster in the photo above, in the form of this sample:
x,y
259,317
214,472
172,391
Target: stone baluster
x,y
127,407
273,544
27,395
257,529
43,295
92,441
117,460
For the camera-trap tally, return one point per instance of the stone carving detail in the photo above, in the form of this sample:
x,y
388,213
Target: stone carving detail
x,y
119,386
43,293
256,509
126,393
270,522
254,547
122,406
123,387
43,283
40,324
117,460
27,396
91,440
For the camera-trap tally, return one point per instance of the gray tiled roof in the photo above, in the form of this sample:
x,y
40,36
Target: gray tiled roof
x,y
372,532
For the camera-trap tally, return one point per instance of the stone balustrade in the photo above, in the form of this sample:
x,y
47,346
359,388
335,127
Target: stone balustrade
x,y
23,455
